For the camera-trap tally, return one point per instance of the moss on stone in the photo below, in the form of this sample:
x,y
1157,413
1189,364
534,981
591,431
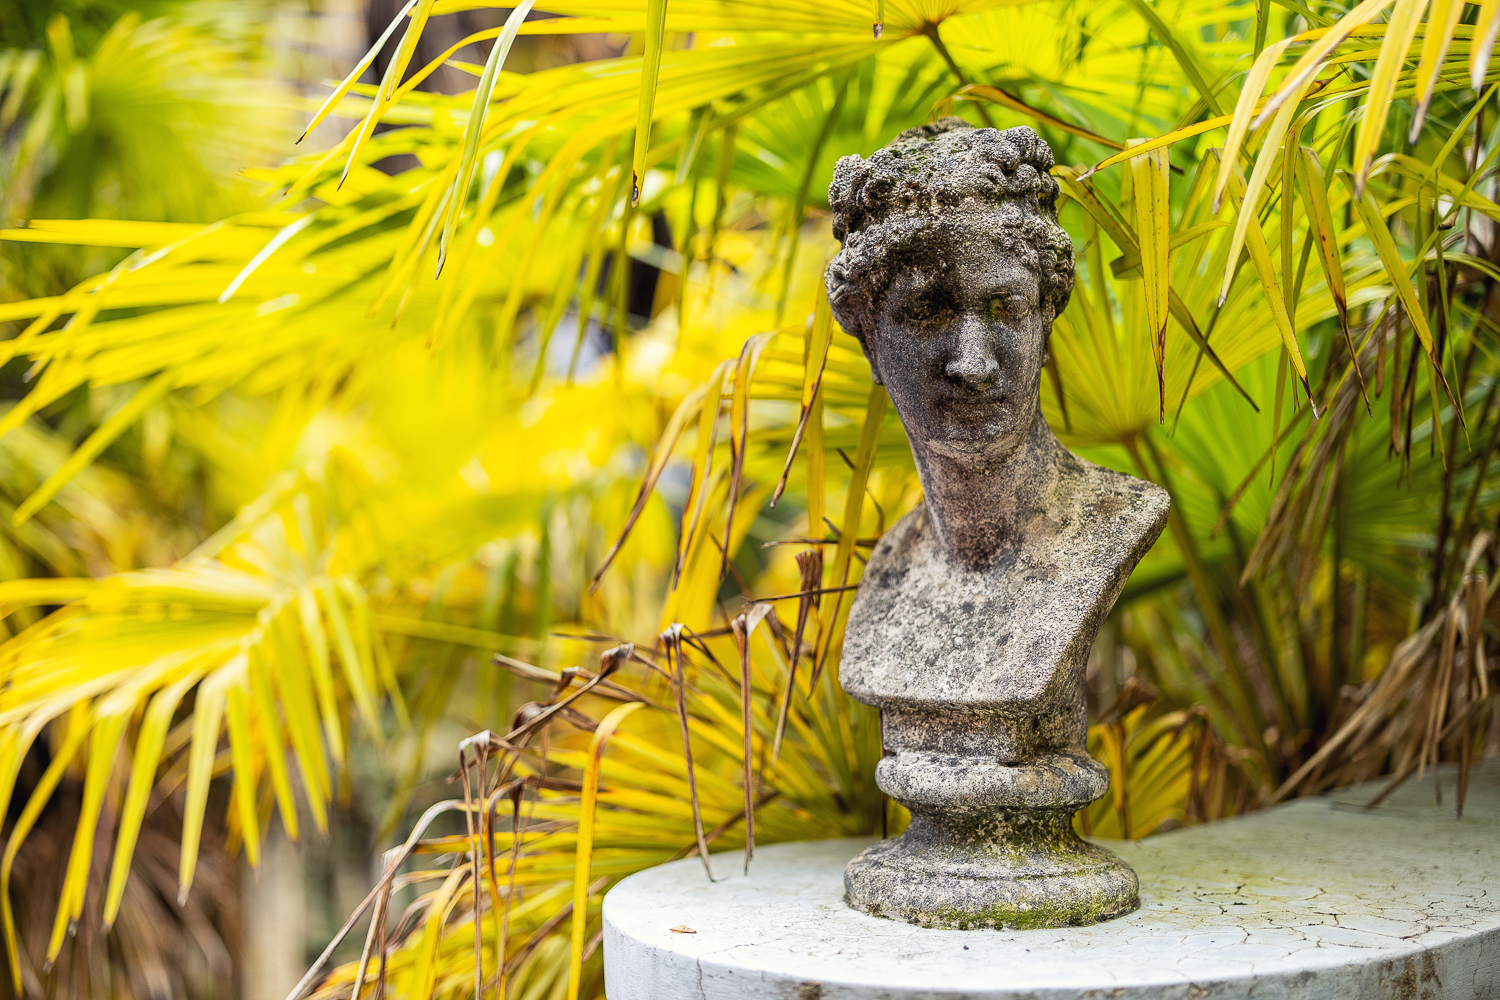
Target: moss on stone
x,y
1038,916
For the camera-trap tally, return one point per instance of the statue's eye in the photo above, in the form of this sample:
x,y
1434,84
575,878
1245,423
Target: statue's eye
x,y
926,313
1010,305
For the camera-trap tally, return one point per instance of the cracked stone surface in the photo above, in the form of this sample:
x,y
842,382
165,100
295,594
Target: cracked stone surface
x,y
1317,899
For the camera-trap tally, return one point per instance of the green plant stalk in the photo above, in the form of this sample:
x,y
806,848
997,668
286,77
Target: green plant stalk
x,y
931,31
1246,712
799,204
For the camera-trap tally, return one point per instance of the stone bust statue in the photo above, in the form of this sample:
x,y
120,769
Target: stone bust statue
x,y
977,611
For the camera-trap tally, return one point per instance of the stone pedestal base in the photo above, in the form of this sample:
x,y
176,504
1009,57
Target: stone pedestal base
x,y
991,845
1017,871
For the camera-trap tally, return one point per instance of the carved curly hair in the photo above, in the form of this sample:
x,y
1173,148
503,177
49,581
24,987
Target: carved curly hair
x,y
926,173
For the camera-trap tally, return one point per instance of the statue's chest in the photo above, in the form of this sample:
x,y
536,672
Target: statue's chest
x,y
928,594
923,629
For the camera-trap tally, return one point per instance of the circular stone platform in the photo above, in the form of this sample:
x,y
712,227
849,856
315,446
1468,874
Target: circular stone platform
x,y
1318,899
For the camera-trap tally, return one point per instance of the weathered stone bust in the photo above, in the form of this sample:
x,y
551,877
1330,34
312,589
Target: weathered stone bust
x,y
977,611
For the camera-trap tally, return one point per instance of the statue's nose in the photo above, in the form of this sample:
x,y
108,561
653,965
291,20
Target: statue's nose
x,y
973,365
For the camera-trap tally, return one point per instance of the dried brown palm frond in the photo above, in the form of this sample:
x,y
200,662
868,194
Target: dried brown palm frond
x,y
1299,516
545,798
1434,702
1166,768
156,949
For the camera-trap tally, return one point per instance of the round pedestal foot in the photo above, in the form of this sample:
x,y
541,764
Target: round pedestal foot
x,y
1013,872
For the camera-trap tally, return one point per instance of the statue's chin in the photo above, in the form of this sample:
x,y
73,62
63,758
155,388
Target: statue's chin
x,y
983,447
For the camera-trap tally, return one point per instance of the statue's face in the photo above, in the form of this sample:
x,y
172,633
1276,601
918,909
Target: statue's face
x,y
961,340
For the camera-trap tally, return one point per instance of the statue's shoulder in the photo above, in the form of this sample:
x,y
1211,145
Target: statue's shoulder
x,y
1119,510
906,543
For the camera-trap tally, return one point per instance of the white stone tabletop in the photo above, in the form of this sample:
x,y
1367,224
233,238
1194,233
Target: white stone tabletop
x,y
1317,899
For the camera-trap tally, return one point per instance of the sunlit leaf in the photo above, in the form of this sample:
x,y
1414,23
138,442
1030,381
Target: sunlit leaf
x,y
1150,183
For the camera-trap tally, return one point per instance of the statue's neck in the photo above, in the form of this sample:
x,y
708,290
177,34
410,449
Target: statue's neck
x,y
978,504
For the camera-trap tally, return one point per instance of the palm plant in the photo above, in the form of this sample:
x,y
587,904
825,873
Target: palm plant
x,y
423,394
151,121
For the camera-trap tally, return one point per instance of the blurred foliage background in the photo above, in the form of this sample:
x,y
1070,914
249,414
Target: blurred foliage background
x,y
393,511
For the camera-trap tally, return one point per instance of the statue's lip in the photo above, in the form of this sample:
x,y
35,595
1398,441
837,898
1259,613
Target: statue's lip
x,y
974,402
